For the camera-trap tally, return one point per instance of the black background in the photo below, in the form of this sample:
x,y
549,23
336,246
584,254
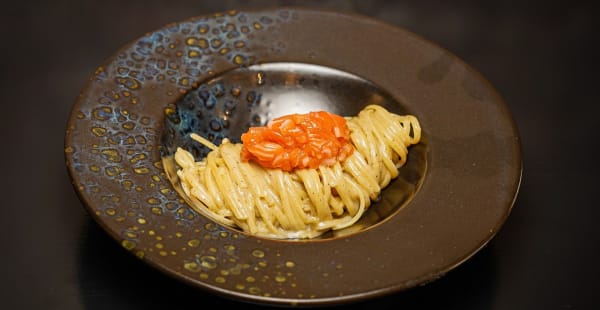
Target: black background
x,y
540,56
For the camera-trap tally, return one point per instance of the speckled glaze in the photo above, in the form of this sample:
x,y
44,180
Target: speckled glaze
x,y
466,174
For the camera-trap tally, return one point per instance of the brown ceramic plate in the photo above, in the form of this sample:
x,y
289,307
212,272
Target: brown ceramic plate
x,y
220,74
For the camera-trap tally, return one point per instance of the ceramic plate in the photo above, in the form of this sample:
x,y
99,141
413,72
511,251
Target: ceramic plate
x,y
219,74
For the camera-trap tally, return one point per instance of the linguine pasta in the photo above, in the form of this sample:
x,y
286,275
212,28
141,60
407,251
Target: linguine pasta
x,y
302,203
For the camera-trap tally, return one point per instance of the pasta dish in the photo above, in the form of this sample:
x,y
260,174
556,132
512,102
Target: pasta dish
x,y
300,175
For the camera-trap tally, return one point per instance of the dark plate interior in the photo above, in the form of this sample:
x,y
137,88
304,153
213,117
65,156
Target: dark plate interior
x,y
225,106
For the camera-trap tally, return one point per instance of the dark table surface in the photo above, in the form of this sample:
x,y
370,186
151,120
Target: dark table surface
x,y
540,56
